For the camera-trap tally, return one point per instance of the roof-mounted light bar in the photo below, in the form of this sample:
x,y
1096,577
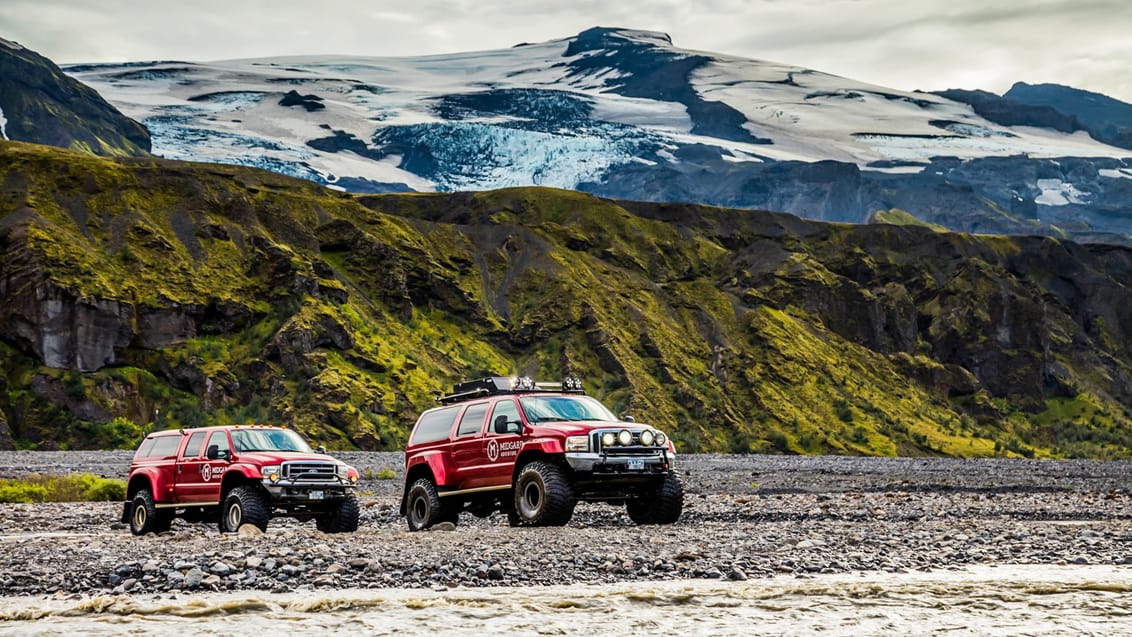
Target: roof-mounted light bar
x,y
495,385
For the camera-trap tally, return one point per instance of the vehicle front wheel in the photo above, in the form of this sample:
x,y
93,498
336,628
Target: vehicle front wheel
x,y
342,518
661,505
244,505
145,517
422,505
544,495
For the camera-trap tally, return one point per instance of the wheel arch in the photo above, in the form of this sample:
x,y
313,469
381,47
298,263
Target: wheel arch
x,y
416,472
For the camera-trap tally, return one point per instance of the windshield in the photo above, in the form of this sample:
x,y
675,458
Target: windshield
x,y
556,408
246,440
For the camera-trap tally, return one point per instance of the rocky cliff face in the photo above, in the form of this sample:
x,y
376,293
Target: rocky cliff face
x,y
166,294
44,106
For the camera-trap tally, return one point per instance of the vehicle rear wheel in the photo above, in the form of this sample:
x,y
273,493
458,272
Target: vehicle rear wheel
x,y
244,505
145,517
422,506
544,495
342,518
663,504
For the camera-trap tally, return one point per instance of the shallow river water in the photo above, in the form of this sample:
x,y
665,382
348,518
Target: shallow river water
x,y
1003,600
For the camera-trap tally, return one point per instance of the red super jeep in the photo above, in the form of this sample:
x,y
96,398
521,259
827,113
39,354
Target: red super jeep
x,y
239,474
533,450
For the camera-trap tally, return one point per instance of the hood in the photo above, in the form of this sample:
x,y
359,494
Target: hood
x,y
265,458
580,427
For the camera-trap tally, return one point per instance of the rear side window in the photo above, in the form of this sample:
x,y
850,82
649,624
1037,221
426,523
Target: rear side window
x,y
472,421
434,425
161,447
196,441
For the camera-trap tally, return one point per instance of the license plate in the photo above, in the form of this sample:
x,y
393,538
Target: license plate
x,y
316,495
636,464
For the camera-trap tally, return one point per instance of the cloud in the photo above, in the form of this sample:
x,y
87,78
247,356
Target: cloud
x,y
926,44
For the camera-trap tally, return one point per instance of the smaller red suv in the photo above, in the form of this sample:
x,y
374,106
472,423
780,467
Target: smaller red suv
x,y
236,475
533,450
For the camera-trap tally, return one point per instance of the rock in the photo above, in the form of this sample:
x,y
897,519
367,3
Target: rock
x,y
194,578
495,572
253,561
713,573
220,568
444,526
211,581
249,530
737,574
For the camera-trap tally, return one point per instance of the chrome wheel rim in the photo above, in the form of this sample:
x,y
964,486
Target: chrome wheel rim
x,y
140,516
235,516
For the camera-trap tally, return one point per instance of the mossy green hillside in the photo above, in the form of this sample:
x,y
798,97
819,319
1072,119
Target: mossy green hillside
x,y
226,294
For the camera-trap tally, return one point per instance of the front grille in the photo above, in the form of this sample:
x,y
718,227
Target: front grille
x,y
634,449
310,471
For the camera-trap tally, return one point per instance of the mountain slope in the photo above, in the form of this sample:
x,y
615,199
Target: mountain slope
x,y
627,114
179,294
39,104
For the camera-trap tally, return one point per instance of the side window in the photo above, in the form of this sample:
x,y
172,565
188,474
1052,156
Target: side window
x,y
472,421
509,409
144,449
219,439
164,447
196,442
434,425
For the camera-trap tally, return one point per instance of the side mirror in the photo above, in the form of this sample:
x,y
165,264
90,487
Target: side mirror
x,y
628,418
321,449
216,453
503,426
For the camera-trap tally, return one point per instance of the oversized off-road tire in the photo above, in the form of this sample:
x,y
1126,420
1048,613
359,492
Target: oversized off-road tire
x,y
145,517
422,505
341,518
244,505
662,504
544,495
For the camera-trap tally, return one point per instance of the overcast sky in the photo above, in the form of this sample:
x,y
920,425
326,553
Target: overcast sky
x,y
907,44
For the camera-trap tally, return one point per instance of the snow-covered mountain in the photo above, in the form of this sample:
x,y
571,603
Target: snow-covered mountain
x,y
626,113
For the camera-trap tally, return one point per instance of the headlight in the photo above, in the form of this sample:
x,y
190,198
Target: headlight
x,y
647,437
271,473
608,438
578,443
624,437
343,471
661,439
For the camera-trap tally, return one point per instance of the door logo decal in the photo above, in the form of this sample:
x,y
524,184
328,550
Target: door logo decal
x,y
206,472
493,450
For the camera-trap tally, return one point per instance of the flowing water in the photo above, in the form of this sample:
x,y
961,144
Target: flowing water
x,y
1004,600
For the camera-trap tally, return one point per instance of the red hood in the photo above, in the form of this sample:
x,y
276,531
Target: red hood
x,y
267,458
582,427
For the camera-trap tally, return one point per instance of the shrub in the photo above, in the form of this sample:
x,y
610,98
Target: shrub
x,y
385,473
80,487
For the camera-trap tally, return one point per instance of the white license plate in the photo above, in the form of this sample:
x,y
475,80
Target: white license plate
x,y
636,464
316,495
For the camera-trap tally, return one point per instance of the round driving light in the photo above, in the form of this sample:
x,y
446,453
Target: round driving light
x,y
624,438
647,437
608,438
661,438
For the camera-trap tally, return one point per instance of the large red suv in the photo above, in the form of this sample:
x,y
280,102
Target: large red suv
x,y
236,475
533,450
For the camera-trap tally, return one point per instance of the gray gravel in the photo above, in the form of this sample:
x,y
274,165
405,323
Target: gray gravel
x,y
745,517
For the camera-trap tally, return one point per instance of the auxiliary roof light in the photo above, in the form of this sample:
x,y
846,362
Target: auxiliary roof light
x,y
524,383
571,383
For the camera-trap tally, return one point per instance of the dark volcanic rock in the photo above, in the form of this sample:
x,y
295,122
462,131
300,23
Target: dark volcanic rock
x,y
44,106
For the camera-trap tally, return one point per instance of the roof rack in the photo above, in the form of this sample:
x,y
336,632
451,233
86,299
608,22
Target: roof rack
x,y
497,385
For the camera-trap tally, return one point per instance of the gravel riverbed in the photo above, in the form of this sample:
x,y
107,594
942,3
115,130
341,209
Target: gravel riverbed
x,y
744,517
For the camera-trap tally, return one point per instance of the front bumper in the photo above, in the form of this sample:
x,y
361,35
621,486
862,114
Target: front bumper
x,y
601,464
296,491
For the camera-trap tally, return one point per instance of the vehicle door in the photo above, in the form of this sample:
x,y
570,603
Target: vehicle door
x,y
189,483
217,457
467,445
500,445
